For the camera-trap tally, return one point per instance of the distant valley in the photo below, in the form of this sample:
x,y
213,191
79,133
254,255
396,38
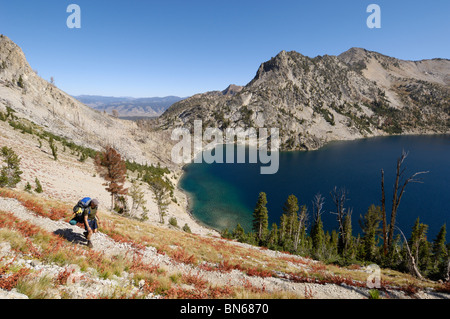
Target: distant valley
x,y
129,107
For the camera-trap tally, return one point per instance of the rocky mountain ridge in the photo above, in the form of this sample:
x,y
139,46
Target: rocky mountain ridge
x,y
40,102
316,100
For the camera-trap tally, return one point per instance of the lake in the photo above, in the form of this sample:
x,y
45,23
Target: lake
x,y
223,195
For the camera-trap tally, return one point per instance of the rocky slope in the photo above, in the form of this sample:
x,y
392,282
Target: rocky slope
x,y
136,259
68,179
316,100
35,99
118,267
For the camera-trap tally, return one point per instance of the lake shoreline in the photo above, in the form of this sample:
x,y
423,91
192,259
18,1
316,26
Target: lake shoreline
x,y
190,207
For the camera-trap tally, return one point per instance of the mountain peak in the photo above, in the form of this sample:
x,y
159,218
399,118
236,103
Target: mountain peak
x,y
232,89
274,64
353,55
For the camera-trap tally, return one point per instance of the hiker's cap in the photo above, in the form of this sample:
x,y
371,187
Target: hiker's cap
x,y
94,202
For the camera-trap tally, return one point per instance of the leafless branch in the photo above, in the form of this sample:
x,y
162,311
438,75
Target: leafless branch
x,y
411,257
399,191
317,204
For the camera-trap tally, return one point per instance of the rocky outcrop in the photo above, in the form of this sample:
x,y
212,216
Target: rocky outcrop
x,y
232,89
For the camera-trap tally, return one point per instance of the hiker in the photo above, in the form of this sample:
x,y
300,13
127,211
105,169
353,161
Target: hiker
x,y
86,212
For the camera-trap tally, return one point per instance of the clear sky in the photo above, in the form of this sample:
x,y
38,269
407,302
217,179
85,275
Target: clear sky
x,y
145,48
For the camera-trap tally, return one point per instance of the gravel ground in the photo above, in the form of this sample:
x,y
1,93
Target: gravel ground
x,y
104,244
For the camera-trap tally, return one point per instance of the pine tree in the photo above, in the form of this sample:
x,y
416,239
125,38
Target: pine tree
x,y
28,187
425,263
370,225
272,241
334,242
290,209
10,173
38,188
239,232
139,202
348,249
414,248
53,147
317,232
396,255
440,254
282,233
161,195
20,82
260,216
112,168
318,237
439,248
418,236
186,228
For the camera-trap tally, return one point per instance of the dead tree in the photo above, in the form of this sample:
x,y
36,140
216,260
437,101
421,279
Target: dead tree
x,y
339,197
302,217
414,268
317,205
399,189
112,168
383,213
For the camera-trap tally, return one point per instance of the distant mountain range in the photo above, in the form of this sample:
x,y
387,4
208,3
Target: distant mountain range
x,y
129,106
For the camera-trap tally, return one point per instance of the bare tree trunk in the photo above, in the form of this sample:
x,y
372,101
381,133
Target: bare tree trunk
x,y
297,236
301,222
383,211
339,198
398,194
317,204
395,201
415,270
448,271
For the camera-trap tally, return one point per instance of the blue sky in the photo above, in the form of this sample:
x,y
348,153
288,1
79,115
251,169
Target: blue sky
x,y
144,48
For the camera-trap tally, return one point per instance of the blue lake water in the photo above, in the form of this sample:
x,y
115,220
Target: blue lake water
x,y
223,195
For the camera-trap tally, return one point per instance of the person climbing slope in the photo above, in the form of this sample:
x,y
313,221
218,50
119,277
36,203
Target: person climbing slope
x,y
86,212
